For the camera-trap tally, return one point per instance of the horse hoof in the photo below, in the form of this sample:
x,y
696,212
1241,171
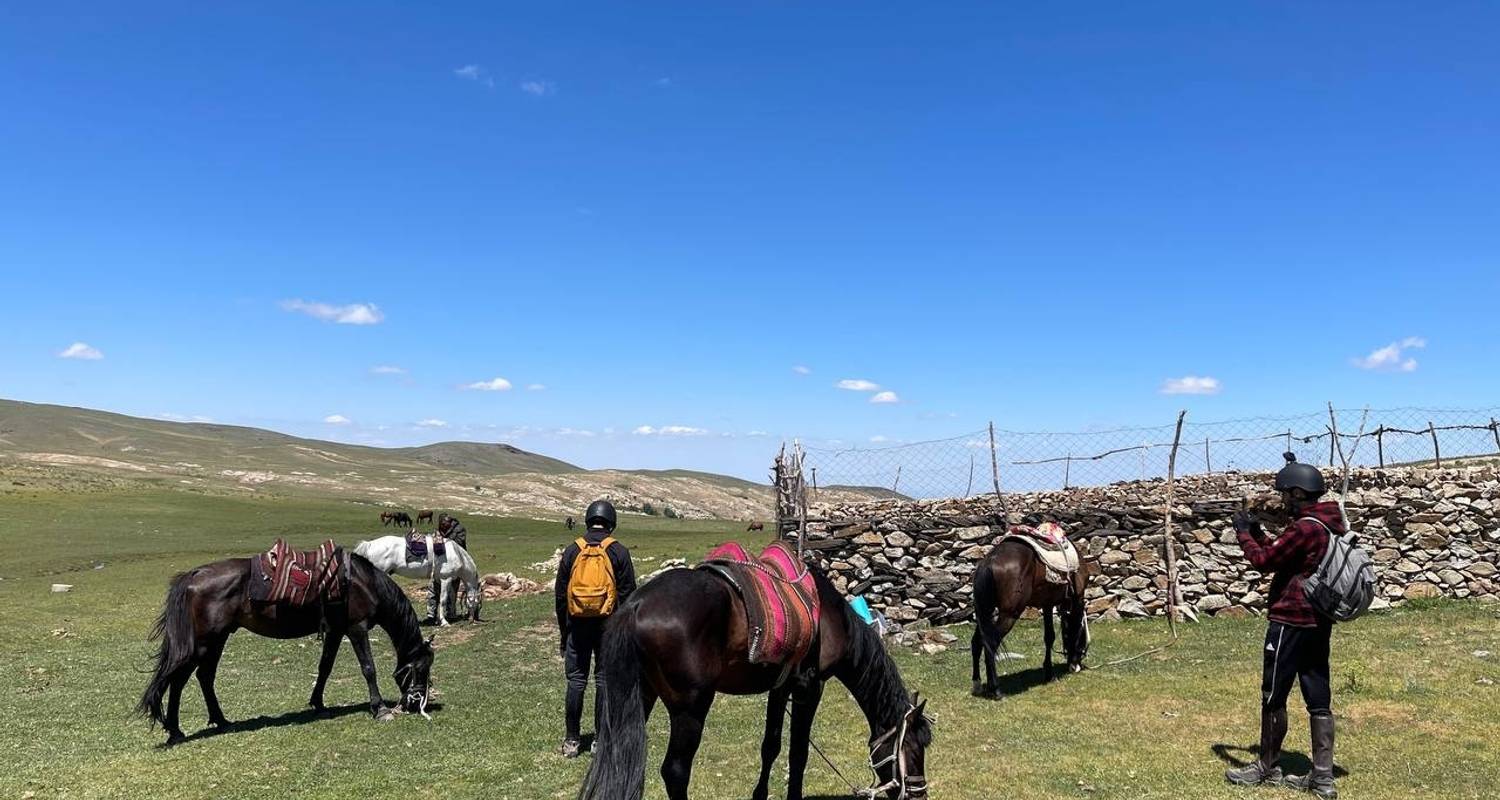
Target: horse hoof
x,y
175,738
220,725
385,715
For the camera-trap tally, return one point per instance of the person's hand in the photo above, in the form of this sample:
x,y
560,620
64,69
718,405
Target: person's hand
x,y
1245,522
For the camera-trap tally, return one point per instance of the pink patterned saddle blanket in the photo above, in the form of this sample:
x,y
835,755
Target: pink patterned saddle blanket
x,y
780,598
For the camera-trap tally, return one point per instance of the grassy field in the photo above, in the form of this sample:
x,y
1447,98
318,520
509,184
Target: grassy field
x,y
1416,706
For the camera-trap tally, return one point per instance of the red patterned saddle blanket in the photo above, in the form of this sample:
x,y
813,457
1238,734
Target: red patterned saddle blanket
x,y
780,597
298,577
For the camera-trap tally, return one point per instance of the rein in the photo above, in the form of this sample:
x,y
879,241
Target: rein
x,y
903,782
409,697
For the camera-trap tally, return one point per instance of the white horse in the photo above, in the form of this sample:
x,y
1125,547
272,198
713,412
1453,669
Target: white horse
x,y
389,554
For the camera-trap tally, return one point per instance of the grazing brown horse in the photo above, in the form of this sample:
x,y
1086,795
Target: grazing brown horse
x,y
206,604
400,518
683,638
424,515
756,526
1011,579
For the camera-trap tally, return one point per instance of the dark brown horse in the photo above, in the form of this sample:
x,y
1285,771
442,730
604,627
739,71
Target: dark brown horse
x,y
425,515
755,526
682,638
1009,580
206,604
400,518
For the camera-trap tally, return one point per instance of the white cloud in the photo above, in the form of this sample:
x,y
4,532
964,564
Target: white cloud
x,y
574,432
476,73
431,423
757,434
885,397
535,387
1393,357
538,88
858,385
351,314
82,352
1191,384
801,370
337,419
669,430
492,385
386,369
877,439
183,418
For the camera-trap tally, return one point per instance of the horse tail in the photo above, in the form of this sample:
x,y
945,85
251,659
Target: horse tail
x,y
174,628
986,598
619,771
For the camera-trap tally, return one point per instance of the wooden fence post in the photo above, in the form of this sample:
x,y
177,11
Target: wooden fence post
x,y
896,482
1168,540
1333,436
970,488
1380,444
1067,470
995,468
1495,431
1437,455
1208,464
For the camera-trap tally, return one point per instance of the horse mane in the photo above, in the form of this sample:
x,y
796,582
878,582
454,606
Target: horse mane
x,y
393,608
868,670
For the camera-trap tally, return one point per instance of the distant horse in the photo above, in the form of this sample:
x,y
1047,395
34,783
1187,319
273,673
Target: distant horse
x,y
682,638
400,518
424,516
205,605
755,526
389,554
569,522
1011,579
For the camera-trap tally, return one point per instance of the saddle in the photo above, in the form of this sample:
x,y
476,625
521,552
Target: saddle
x,y
1051,544
299,577
416,546
781,600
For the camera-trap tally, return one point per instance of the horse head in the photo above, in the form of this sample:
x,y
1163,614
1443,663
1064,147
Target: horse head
x,y
414,677
899,756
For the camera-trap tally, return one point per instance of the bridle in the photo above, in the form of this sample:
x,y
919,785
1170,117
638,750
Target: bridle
x,y
410,696
905,784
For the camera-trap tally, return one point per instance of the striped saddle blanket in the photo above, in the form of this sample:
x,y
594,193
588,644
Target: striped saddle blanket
x,y
298,577
416,546
781,600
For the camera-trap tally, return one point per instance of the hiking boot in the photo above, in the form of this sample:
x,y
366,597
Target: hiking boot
x,y
1263,770
571,748
1320,780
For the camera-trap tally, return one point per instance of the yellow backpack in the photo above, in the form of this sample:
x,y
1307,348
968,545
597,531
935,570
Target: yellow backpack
x,y
591,586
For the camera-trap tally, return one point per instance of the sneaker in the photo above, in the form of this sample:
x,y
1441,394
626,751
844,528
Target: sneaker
x,y
1253,774
571,748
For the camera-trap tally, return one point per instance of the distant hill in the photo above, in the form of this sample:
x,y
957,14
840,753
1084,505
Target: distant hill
x,y
472,476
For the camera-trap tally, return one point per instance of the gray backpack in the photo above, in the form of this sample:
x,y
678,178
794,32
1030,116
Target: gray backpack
x,y
1343,585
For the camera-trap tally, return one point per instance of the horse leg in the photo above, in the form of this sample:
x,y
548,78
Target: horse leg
x,y
208,666
331,644
993,641
687,734
359,639
804,708
976,651
770,746
444,587
174,701
1049,637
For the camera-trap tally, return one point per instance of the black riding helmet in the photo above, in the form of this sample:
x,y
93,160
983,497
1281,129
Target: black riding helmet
x,y
1306,477
602,512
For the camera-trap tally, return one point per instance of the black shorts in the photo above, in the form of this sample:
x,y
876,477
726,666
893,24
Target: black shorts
x,y
1299,654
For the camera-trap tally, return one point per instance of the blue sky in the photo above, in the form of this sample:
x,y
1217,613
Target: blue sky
x,y
1040,216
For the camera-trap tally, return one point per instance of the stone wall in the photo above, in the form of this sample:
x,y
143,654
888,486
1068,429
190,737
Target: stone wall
x,y
1430,532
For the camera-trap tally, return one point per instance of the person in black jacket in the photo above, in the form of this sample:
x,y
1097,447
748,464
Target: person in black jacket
x,y
580,636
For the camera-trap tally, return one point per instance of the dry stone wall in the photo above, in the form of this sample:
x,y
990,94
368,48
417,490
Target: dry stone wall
x,y
1430,532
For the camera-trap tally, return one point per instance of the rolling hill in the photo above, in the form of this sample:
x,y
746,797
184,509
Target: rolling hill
x,y
462,476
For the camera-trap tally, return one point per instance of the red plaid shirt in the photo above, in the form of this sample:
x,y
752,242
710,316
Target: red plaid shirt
x,y
1291,557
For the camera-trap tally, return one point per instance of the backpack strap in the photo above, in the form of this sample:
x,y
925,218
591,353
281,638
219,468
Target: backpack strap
x,y
581,543
606,542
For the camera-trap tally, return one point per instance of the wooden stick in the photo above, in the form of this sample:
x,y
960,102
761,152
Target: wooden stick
x,y
1437,454
896,482
1208,463
1333,436
970,488
995,468
1333,429
1380,444
1167,539
1067,470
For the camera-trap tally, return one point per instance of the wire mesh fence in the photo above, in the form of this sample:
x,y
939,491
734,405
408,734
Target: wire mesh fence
x,y
1020,461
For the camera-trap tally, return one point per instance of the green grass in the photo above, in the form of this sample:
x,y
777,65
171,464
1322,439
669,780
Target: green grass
x,y
1415,722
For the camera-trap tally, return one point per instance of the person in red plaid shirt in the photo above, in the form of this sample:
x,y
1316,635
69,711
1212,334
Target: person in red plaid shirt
x,y
1297,640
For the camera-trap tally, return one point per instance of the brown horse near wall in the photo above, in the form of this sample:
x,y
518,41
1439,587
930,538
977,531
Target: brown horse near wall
x,y
424,515
1011,579
756,526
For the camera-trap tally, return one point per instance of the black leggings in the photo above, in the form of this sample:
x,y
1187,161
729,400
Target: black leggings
x,y
579,650
1300,653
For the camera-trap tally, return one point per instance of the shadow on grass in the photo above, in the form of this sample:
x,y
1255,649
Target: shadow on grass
x,y
1292,762
299,717
1012,683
